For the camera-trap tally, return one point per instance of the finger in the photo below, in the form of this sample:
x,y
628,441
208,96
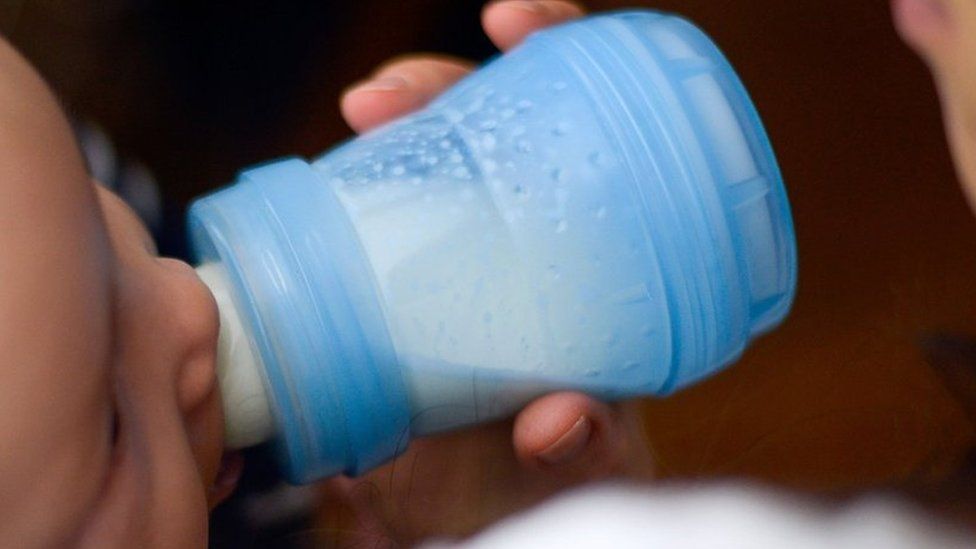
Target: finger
x,y
569,432
508,22
924,25
347,511
398,87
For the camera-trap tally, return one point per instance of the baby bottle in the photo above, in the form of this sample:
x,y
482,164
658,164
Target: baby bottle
x,y
597,210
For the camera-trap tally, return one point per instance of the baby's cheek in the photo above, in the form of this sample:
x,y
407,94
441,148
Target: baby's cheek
x,y
205,431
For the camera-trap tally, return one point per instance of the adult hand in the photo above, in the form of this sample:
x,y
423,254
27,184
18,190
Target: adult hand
x,y
456,483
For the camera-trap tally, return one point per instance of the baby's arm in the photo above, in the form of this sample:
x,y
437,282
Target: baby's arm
x,y
55,416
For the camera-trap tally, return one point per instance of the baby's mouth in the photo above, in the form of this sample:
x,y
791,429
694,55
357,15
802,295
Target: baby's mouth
x,y
231,468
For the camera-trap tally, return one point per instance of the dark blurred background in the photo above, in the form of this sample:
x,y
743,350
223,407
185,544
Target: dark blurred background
x,y
845,396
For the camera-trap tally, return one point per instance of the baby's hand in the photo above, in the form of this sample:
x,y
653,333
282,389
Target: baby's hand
x,y
454,484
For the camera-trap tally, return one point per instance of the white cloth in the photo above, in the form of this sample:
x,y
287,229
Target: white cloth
x,y
712,516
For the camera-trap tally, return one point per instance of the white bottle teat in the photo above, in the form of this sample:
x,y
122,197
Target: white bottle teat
x,y
247,412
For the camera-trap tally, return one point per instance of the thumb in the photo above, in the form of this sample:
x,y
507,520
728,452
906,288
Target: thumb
x,y
570,434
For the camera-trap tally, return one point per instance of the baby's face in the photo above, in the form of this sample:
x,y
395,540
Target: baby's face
x,y
110,419
943,32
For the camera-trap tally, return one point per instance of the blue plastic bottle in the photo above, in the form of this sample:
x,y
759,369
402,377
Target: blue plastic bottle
x,y
599,209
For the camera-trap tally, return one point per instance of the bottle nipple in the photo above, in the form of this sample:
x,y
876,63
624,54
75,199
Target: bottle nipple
x,y
247,413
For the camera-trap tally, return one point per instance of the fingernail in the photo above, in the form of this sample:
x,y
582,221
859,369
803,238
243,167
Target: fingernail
x,y
531,6
569,445
383,83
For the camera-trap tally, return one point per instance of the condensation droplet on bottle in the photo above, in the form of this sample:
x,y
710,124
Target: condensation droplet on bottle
x,y
558,86
610,339
562,197
518,130
523,146
556,174
455,158
486,318
461,172
476,105
416,180
593,372
631,365
398,170
562,128
445,144
377,167
523,105
489,166
562,226
505,114
488,141
431,160
453,116
488,125
647,330
595,158
601,213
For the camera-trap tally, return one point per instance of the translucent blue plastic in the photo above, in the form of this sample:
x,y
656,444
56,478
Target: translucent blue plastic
x,y
599,209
